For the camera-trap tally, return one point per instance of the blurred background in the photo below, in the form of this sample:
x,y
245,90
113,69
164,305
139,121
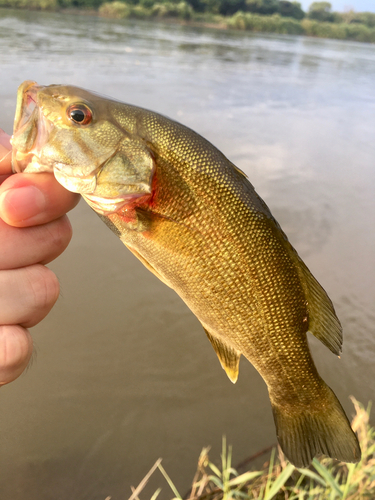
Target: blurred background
x,y
124,373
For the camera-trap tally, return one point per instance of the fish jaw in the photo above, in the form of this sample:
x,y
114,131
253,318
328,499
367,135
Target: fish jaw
x,y
111,174
30,131
26,102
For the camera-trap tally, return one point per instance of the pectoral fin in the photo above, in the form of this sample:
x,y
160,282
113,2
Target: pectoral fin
x,y
228,357
148,265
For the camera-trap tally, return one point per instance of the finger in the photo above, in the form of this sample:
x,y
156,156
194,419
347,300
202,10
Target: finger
x,y
34,290
22,247
16,347
5,154
32,199
3,178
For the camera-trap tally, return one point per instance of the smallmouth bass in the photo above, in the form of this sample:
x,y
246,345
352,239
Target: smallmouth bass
x,y
195,221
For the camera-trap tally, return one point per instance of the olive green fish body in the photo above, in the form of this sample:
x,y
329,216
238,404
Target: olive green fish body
x,y
196,222
209,236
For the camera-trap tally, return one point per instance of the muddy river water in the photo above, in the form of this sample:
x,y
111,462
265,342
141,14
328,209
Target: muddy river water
x,y
124,373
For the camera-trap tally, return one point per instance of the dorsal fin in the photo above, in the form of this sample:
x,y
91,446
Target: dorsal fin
x,y
228,357
241,172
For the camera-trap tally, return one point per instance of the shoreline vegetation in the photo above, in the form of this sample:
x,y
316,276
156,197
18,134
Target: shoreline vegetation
x,y
325,479
257,16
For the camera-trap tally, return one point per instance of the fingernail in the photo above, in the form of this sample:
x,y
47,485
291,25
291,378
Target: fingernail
x,y
21,204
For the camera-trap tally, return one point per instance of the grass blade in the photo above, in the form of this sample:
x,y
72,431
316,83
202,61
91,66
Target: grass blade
x,y
215,469
351,469
156,494
313,475
279,482
144,481
169,481
216,482
244,478
270,469
327,476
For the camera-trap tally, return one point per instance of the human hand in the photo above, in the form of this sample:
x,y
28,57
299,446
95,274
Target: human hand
x,y
34,230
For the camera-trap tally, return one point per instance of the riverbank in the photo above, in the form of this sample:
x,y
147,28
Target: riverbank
x,y
244,21
183,13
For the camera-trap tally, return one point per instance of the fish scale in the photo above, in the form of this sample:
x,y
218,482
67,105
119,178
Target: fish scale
x,y
196,222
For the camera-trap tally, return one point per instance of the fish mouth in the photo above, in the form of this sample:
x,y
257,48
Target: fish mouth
x,y
26,103
31,131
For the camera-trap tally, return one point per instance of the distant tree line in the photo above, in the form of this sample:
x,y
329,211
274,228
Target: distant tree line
x,y
319,11
274,16
225,7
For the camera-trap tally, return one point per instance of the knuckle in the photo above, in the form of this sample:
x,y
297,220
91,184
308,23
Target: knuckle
x,y
16,348
57,234
61,233
43,286
27,295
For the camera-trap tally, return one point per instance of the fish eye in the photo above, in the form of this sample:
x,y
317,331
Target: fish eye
x,y
79,114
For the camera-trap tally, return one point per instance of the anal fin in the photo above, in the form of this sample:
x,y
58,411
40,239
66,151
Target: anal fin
x,y
228,357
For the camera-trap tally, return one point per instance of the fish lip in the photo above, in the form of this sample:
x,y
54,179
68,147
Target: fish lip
x,y
76,183
23,159
26,96
32,161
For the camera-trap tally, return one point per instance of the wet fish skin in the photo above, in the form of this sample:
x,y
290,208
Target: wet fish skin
x,y
196,222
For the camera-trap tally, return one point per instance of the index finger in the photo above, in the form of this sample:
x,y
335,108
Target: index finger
x,y
5,154
34,199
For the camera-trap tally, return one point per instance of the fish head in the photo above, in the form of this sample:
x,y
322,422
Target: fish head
x,y
77,135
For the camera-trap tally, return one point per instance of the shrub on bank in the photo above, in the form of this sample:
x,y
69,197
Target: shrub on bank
x,y
30,4
117,10
286,25
181,10
269,24
342,31
366,18
144,10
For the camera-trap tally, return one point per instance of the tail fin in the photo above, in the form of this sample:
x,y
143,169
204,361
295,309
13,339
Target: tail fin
x,y
302,434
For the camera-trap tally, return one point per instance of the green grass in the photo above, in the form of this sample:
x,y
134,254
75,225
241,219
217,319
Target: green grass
x,y
326,479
